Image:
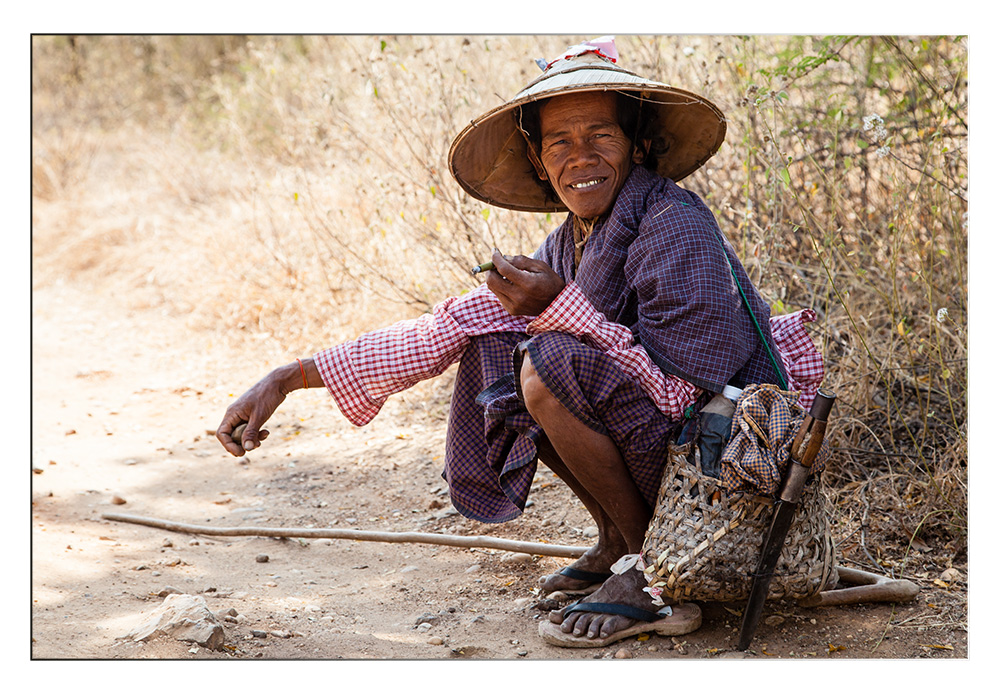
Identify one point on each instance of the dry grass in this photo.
(294, 191)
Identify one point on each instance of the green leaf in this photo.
(382, 47)
(486, 213)
(785, 178)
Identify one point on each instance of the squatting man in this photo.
(586, 355)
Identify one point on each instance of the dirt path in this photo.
(123, 406)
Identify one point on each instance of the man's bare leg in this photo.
(610, 544)
(592, 466)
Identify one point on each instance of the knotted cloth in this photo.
(764, 425)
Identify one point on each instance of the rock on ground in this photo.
(185, 618)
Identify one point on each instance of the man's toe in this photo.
(567, 622)
(558, 616)
(577, 623)
(614, 624)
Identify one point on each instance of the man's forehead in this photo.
(575, 109)
(581, 100)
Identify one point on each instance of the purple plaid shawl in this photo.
(656, 265)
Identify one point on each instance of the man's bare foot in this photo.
(572, 581)
(618, 610)
(594, 567)
(620, 589)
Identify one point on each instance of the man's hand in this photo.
(255, 407)
(525, 286)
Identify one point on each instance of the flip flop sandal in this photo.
(595, 578)
(672, 620)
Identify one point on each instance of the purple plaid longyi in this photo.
(488, 421)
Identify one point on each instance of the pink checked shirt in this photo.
(363, 373)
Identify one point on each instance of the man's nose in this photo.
(582, 153)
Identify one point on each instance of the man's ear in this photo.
(536, 162)
(641, 150)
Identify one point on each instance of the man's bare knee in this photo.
(536, 394)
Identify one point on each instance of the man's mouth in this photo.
(586, 184)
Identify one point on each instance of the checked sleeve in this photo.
(802, 361)
(363, 373)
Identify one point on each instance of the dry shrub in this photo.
(297, 189)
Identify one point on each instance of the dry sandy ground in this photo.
(124, 403)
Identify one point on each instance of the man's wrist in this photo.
(288, 377)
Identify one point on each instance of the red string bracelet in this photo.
(305, 383)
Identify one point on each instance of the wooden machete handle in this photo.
(809, 438)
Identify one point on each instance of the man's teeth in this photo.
(586, 184)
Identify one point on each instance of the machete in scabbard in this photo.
(806, 445)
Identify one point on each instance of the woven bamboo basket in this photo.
(703, 543)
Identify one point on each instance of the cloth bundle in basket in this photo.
(704, 539)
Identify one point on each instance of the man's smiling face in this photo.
(584, 155)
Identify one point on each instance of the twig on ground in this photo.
(360, 535)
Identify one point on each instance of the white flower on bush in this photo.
(875, 122)
(942, 313)
(876, 126)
